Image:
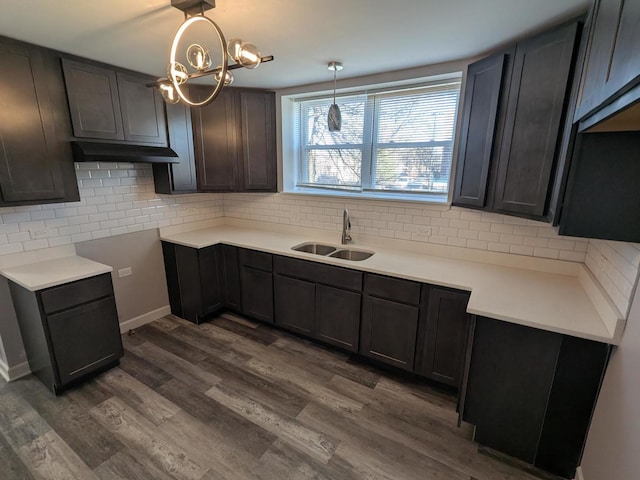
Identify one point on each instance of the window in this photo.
(395, 141)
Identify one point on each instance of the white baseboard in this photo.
(579, 474)
(15, 372)
(144, 318)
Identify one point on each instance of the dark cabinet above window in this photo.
(36, 164)
(513, 112)
(109, 104)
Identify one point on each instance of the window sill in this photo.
(387, 196)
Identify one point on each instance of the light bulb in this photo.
(228, 77)
(198, 57)
(169, 93)
(177, 73)
(233, 48)
(249, 55)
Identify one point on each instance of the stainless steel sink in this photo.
(333, 252)
(316, 248)
(353, 255)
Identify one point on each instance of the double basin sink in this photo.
(330, 251)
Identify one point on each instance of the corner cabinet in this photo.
(512, 122)
(235, 144)
(113, 105)
(36, 163)
(70, 331)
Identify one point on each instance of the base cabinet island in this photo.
(529, 391)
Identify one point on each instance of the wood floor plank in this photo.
(210, 447)
(71, 421)
(286, 375)
(142, 436)
(241, 320)
(124, 466)
(329, 360)
(197, 378)
(11, 467)
(167, 342)
(20, 424)
(215, 348)
(236, 429)
(308, 440)
(143, 370)
(144, 400)
(357, 443)
(48, 457)
(260, 334)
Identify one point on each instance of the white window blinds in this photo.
(395, 141)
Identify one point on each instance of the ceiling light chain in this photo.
(245, 55)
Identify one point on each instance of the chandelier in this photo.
(199, 59)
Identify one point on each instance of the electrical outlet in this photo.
(40, 233)
(124, 272)
(424, 230)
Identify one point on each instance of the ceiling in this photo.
(368, 36)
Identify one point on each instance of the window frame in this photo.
(293, 147)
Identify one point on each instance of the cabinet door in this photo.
(533, 121)
(210, 280)
(605, 23)
(624, 67)
(143, 117)
(94, 102)
(178, 177)
(31, 157)
(85, 338)
(294, 302)
(442, 336)
(215, 134)
(389, 331)
(479, 118)
(258, 135)
(231, 277)
(337, 317)
(257, 293)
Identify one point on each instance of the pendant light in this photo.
(199, 58)
(334, 118)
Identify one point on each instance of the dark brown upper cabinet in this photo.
(512, 123)
(179, 177)
(480, 114)
(258, 137)
(235, 141)
(215, 137)
(36, 164)
(108, 104)
(612, 64)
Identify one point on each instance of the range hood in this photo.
(114, 152)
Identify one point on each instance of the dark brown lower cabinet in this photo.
(193, 280)
(319, 301)
(295, 304)
(531, 393)
(230, 271)
(256, 280)
(390, 314)
(69, 331)
(442, 335)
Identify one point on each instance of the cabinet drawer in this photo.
(403, 291)
(254, 259)
(71, 294)
(319, 273)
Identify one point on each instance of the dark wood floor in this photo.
(233, 399)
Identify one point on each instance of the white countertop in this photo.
(549, 301)
(49, 273)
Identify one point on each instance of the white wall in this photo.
(611, 451)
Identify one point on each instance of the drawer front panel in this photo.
(254, 259)
(319, 273)
(71, 294)
(403, 291)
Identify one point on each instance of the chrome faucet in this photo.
(346, 227)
